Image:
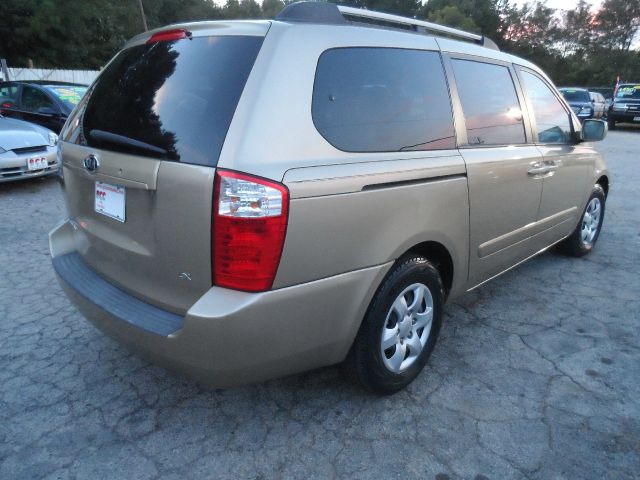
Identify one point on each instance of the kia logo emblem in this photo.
(91, 163)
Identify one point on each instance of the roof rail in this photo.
(330, 13)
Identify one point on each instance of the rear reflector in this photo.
(249, 225)
(168, 35)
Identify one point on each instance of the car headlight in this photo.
(53, 139)
(619, 106)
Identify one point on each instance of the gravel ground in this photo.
(536, 375)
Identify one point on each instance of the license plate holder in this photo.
(37, 163)
(110, 200)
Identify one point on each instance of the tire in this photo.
(585, 236)
(611, 123)
(391, 370)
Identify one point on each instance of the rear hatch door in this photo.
(139, 157)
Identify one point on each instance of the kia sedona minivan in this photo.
(252, 199)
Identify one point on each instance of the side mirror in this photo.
(594, 130)
(46, 111)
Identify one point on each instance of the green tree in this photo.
(482, 16)
(577, 47)
(71, 34)
(617, 23)
(575, 31)
(165, 12)
(451, 16)
(271, 8)
(407, 8)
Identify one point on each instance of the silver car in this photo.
(26, 150)
(251, 199)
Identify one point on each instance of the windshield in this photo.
(626, 92)
(574, 95)
(170, 99)
(69, 94)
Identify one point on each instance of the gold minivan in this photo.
(251, 199)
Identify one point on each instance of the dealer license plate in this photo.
(110, 200)
(37, 163)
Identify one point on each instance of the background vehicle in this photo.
(580, 102)
(237, 227)
(599, 105)
(607, 93)
(626, 105)
(26, 150)
(42, 102)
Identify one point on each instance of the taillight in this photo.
(248, 231)
(169, 35)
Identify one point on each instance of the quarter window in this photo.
(382, 100)
(490, 104)
(551, 118)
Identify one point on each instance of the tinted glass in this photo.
(172, 100)
(573, 95)
(34, 99)
(70, 95)
(491, 109)
(551, 117)
(382, 100)
(626, 92)
(8, 95)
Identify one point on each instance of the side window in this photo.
(8, 96)
(33, 99)
(490, 104)
(382, 100)
(551, 117)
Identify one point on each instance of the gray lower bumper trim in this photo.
(114, 301)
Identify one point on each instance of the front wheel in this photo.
(400, 328)
(611, 123)
(584, 237)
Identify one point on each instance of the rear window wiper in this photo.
(111, 137)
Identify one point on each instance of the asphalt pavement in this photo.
(536, 375)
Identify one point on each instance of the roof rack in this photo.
(330, 13)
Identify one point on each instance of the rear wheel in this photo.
(400, 328)
(584, 237)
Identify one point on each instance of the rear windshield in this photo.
(628, 91)
(576, 95)
(170, 99)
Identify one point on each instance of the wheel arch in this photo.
(603, 181)
(441, 258)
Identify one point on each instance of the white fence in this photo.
(73, 76)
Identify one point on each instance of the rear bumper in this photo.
(227, 337)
